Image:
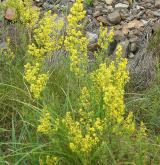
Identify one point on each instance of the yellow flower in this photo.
(51, 160)
(104, 38)
(110, 81)
(47, 41)
(45, 126)
(25, 12)
(75, 42)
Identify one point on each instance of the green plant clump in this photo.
(60, 108)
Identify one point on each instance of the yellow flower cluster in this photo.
(47, 35)
(36, 79)
(85, 131)
(25, 12)
(45, 126)
(104, 38)
(47, 41)
(83, 139)
(142, 131)
(39, 84)
(77, 13)
(110, 82)
(75, 42)
(129, 125)
(50, 160)
(84, 98)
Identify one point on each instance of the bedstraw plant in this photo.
(63, 111)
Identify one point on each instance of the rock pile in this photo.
(133, 21)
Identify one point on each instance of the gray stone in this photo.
(121, 6)
(125, 47)
(133, 38)
(109, 2)
(48, 6)
(124, 14)
(3, 45)
(131, 55)
(109, 8)
(119, 35)
(103, 19)
(93, 47)
(92, 37)
(96, 13)
(133, 47)
(114, 17)
(156, 13)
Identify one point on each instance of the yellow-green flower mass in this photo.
(66, 108)
(75, 42)
(26, 13)
(47, 40)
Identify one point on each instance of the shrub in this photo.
(81, 110)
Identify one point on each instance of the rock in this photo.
(112, 48)
(92, 37)
(89, 12)
(133, 38)
(47, 6)
(10, 14)
(118, 35)
(93, 47)
(3, 45)
(157, 3)
(98, 8)
(133, 47)
(126, 2)
(130, 1)
(39, 3)
(132, 20)
(134, 24)
(114, 17)
(109, 2)
(121, 6)
(145, 22)
(156, 13)
(109, 8)
(96, 13)
(125, 47)
(125, 31)
(103, 19)
(131, 55)
(124, 13)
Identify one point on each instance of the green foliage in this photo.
(154, 43)
(89, 2)
(77, 120)
(147, 105)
